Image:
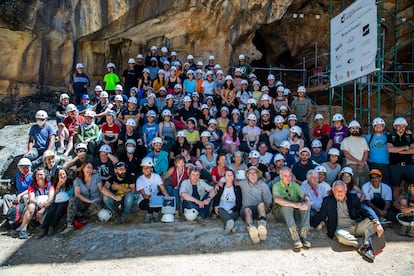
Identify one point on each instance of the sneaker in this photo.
(366, 252)
(320, 226)
(229, 226)
(155, 217)
(253, 233)
(262, 229)
(384, 221)
(147, 218)
(306, 243)
(348, 242)
(23, 234)
(66, 232)
(297, 244)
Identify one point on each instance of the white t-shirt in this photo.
(208, 87)
(228, 199)
(150, 185)
(266, 158)
(383, 189)
(355, 146)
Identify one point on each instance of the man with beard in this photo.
(400, 145)
(355, 149)
(279, 134)
(121, 197)
(158, 156)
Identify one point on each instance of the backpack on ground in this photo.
(14, 214)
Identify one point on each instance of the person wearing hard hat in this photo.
(400, 145)
(61, 108)
(159, 156)
(139, 65)
(24, 179)
(111, 79)
(69, 129)
(79, 82)
(41, 138)
(302, 107)
(152, 54)
(130, 76)
(245, 68)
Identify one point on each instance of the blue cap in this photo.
(85, 97)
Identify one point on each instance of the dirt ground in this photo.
(197, 248)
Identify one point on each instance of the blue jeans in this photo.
(203, 212)
(175, 192)
(128, 201)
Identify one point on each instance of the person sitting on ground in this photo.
(346, 176)
(378, 196)
(405, 204)
(121, 193)
(88, 189)
(322, 177)
(289, 199)
(102, 107)
(228, 201)
(315, 191)
(88, 132)
(333, 169)
(346, 219)
(63, 191)
(73, 166)
(132, 155)
(41, 138)
(237, 162)
(128, 131)
(254, 156)
(24, 179)
(84, 104)
(196, 194)
(69, 129)
(105, 162)
(61, 108)
(217, 172)
(256, 202)
(41, 195)
(149, 184)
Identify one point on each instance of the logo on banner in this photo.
(365, 30)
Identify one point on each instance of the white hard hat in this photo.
(166, 62)
(285, 144)
(164, 50)
(203, 106)
(279, 119)
(63, 96)
(251, 101)
(251, 117)
(105, 148)
(280, 88)
(228, 77)
(131, 141)
(151, 113)
(256, 82)
(235, 110)
(166, 112)
(252, 76)
(354, 123)
(283, 107)
(140, 56)
(133, 100)
(296, 129)
(195, 94)
(161, 71)
(80, 65)
(301, 89)
(240, 175)
(190, 214)
(224, 108)
(271, 77)
(286, 91)
(41, 114)
(265, 112)
(305, 149)
(220, 72)
(212, 121)
(190, 57)
(71, 107)
(320, 169)
(405, 220)
(208, 73)
(110, 65)
(211, 57)
(151, 95)
(47, 154)
(157, 140)
(187, 99)
(118, 98)
(89, 113)
(82, 146)
(131, 60)
(199, 63)
(154, 47)
(334, 151)
(119, 87)
(147, 162)
(318, 116)
(337, 117)
(316, 144)
(167, 218)
(244, 82)
(104, 215)
(265, 88)
(278, 157)
(98, 88)
(242, 57)
(400, 121)
(266, 97)
(103, 94)
(24, 162)
(254, 154)
(173, 53)
(178, 85)
(169, 96)
(217, 66)
(145, 70)
(347, 170)
(131, 122)
(237, 70)
(378, 121)
(205, 134)
(292, 117)
(181, 133)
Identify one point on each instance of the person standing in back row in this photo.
(79, 83)
(302, 107)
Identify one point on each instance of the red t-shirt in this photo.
(214, 171)
(318, 132)
(109, 131)
(72, 125)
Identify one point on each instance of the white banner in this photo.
(353, 42)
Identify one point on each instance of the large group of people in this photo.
(221, 145)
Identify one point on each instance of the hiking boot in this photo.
(51, 232)
(23, 234)
(155, 217)
(346, 238)
(69, 229)
(147, 218)
(384, 222)
(229, 226)
(253, 233)
(297, 243)
(262, 229)
(410, 231)
(320, 226)
(303, 235)
(403, 230)
(43, 233)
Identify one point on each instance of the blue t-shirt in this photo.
(22, 183)
(190, 86)
(41, 135)
(378, 152)
(150, 131)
